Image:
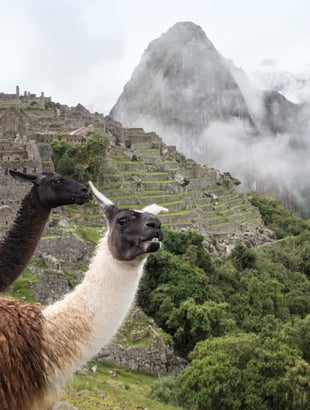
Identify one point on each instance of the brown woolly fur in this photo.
(35, 351)
(22, 369)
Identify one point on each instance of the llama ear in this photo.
(155, 209)
(23, 177)
(103, 201)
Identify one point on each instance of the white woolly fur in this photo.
(103, 300)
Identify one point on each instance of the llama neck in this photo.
(20, 242)
(86, 319)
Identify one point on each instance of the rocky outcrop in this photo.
(64, 246)
(141, 345)
(281, 115)
(155, 358)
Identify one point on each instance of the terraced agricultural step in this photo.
(229, 204)
(208, 201)
(223, 228)
(229, 196)
(133, 166)
(151, 176)
(149, 152)
(236, 209)
(136, 176)
(183, 217)
(168, 166)
(206, 208)
(178, 225)
(168, 185)
(175, 206)
(161, 196)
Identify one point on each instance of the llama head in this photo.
(131, 233)
(53, 189)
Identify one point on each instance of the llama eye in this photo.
(58, 181)
(122, 220)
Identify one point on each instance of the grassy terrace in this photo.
(111, 388)
(160, 195)
(237, 208)
(150, 180)
(220, 225)
(231, 201)
(175, 202)
(122, 162)
(118, 184)
(148, 195)
(145, 175)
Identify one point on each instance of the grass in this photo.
(90, 233)
(183, 212)
(111, 388)
(138, 324)
(21, 288)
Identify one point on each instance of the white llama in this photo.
(43, 347)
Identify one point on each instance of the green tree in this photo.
(277, 218)
(245, 371)
(243, 258)
(190, 245)
(84, 160)
(190, 323)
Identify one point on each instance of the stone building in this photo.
(25, 98)
(26, 133)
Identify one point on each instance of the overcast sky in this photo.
(85, 50)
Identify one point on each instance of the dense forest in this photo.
(242, 321)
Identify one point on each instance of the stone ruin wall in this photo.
(25, 98)
(21, 157)
(25, 139)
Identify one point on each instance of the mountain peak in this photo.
(179, 37)
(186, 30)
(181, 84)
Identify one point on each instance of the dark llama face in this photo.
(133, 233)
(54, 190)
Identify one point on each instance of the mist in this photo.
(197, 100)
(266, 163)
(271, 164)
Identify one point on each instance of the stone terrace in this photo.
(144, 170)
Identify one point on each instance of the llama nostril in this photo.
(152, 222)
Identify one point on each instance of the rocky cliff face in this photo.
(194, 98)
(180, 86)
